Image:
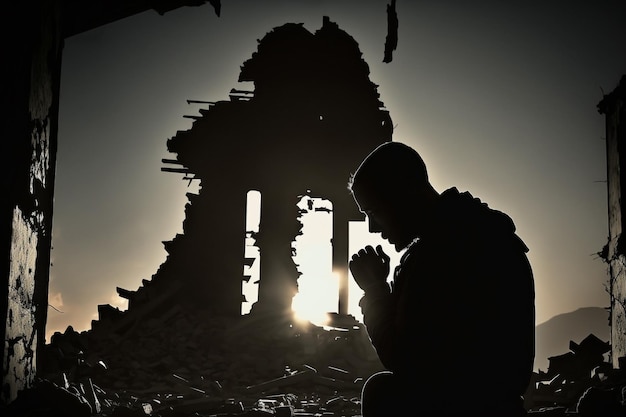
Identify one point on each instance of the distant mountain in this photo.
(554, 335)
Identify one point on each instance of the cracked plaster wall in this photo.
(21, 328)
(30, 86)
(612, 106)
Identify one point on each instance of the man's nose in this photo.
(373, 225)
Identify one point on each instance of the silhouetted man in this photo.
(455, 329)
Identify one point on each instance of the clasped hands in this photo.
(370, 268)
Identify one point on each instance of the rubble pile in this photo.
(181, 364)
(580, 382)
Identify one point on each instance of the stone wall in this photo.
(30, 84)
(614, 109)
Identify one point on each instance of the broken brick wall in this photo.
(30, 85)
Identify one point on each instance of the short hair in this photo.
(391, 167)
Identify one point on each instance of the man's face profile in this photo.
(391, 187)
(384, 216)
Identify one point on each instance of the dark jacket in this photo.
(458, 322)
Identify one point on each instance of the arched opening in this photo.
(252, 261)
(317, 286)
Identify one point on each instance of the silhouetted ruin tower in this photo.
(312, 117)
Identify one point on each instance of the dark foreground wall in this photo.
(31, 59)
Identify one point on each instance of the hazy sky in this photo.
(498, 97)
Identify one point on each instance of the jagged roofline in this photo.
(332, 28)
(295, 38)
(288, 37)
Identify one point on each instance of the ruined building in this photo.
(312, 117)
(613, 106)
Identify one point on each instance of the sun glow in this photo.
(316, 298)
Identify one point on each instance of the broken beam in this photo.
(177, 170)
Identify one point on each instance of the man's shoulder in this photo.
(452, 196)
(463, 214)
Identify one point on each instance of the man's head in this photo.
(391, 187)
